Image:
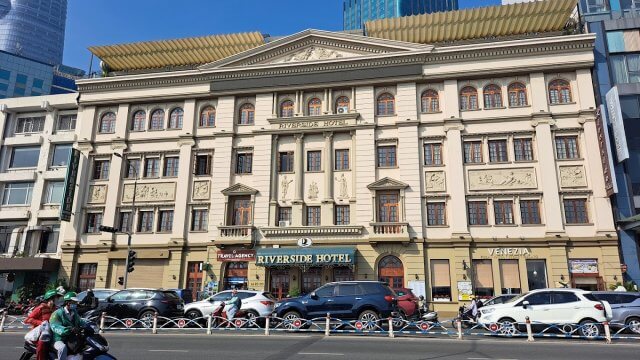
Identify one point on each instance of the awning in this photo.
(630, 223)
(306, 257)
(29, 264)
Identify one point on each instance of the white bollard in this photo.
(327, 325)
(209, 321)
(459, 326)
(266, 325)
(529, 332)
(4, 318)
(155, 323)
(607, 332)
(102, 316)
(391, 334)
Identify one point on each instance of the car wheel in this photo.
(369, 319)
(589, 328)
(399, 321)
(252, 319)
(146, 318)
(633, 324)
(507, 327)
(288, 318)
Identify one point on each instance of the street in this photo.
(279, 347)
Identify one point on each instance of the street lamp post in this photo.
(133, 211)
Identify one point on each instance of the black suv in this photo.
(142, 304)
(367, 301)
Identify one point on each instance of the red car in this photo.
(407, 302)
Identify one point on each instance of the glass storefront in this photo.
(537, 274)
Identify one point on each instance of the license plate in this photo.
(180, 307)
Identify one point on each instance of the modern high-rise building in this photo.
(33, 28)
(357, 12)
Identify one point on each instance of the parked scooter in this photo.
(424, 313)
(220, 316)
(87, 342)
(466, 318)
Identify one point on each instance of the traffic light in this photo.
(132, 261)
(11, 277)
(109, 229)
(121, 280)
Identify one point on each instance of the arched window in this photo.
(208, 117)
(430, 101)
(314, 107)
(175, 118)
(157, 120)
(468, 98)
(247, 114)
(559, 92)
(286, 108)
(492, 96)
(517, 94)
(138, 121)
(342, 105)
(107, 123)
(391, 271)
(386, 104)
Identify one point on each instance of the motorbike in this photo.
(86, 342)
(424, 313)
(220, 316)
(465, 317)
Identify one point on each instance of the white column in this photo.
(298, 201)
(549, 179)
(184, 185)
(327, 206)
(455, 176)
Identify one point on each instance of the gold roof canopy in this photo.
(476, 23)
(175, 52)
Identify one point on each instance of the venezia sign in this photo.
(510, 252)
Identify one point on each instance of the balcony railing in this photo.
(235, 234)
(295, 231)
(390, 231)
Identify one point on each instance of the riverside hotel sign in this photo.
(305, 257)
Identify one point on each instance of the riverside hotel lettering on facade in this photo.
(313, 259)
(312, 124)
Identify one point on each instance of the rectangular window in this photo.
(133, 170)
(313, 160)
(388, 207)
(285, 161)
(472, 152)
(17, 193)
(387, 156)
(38, 83)
(30, 125)
(151, 167)
(523, 149)
(483, 278)
(61, 155)
(433, 154)
(626, 68)
(530, 211)
(124, 222)
(166, 220)
(244, 163)
(313, 215)
(171, 166)
(25, 157)
(94, 220)
(440, 280)
(66, 122)
(202, 164)
(342, 214)
(342, 159)
(199, 219)
(145, 221)
(567, 147)
(536, 274)
(5, 74)
(436, 214)
(100, 169)
(284, 216)
(575, 211)
(503, 211)
(477, 212)
(87, 276)
(55, 190)
(510, 277)
(241, 211)
(49, 240)
(498, 151)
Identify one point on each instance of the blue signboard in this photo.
(327, 256)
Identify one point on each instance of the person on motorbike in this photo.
(234, 303)
(65, 322)
(37, 317)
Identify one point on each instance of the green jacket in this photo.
(62, 324)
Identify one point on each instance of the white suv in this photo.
(255, 303)
(550, 306)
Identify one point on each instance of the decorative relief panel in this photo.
(435, 181)
(572, 176)
(313, 191)
(312, 53)
(97, 194)
(150, 192)
(342, 187)
(201, 190)
(286, 190)
(502, 179)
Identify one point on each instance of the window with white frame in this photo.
(54, 192)
(25, 125)
(24, 157)
(66, 122)
(61, 155)
(18, 193)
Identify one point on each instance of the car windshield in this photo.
(515, 298)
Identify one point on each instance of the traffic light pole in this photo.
(133, 211)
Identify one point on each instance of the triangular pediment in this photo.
(239, 189)
(387, 183)
(316, 46)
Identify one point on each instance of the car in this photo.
(366, 301)
(255, 303)
(407, 302)
(185, 294)
(499, 299)
(142, 304)
(549, 306)
(625, 307)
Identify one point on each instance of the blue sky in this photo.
(104, 22)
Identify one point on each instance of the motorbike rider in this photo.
(235, 304)
(64, 322)
(38, 316)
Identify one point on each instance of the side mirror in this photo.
(525, 304)
(313, 295)
(109, 299)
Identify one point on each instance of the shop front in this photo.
(585, 274)
(235, 267)
(295, 271)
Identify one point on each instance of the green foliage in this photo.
(294, 292)
(629, 286)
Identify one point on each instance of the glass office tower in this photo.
(33, 29)
(357, 12)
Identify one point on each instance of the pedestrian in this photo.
(235, 304)
(40, 317)
(474, 307)
(65, 322)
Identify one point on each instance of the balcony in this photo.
(235, 235)
(321, 231)
(18, 175)
(389, 232)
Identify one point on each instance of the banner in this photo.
(66, 207)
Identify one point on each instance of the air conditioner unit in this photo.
(284, 223)
(343, 110)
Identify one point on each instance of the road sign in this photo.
(424, 326)
(128, 323)
(358, 325)
(181, 323)
(238, 322)
(297, 323)
(493, 327)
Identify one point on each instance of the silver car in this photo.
(625, 306)
(255, 303)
